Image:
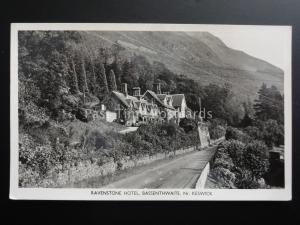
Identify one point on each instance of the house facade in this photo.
(152, 106)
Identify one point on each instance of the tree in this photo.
(221, 101)
(116, 49)
(269, 104)
(74, 83)
(84, 84)
(246, 121)
(254, 132)
(116, 66)
(128, 75)
(88, 52)
(273, 133)
(248, 114)
(112, 81)
(102, 79)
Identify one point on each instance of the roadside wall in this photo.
(203, 135)
(203, 176)
(85, 170)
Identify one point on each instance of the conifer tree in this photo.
(75, 87)
(112, 80)
(269, 104)
(83, 71)
(102, 79)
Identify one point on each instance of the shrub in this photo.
(273, 133)
(169, 129)
(225, 177)
(188, 124)
(141, 146)
(216, 128)
(253, 132)
(96, 140)
(223, 160)
(236, 134)
(65, 156)
(38, 158)
(270, 131)
(248, 162)
(256, 158)
(162, 137)
(234, 149)
(245, 180)
(217, 132)
(27, 176)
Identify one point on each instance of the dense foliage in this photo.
(39, 159)
(239, 165)
(217, 128)
(270, 104)
(237, 134)
(268, 131)
(62, 70)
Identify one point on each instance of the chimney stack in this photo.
(156, 88)
(136, 92)
(124, 89)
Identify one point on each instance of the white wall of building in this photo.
(110, 116)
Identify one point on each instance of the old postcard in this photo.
(150, 112)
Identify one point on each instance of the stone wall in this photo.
(203, 177)
(85, 170)
(203, 135)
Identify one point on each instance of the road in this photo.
(182, 172)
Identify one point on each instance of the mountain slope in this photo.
(199, 55)
(235, 58)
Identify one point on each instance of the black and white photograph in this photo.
(150, 112)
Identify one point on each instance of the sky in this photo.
(264, 42)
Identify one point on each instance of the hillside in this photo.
(72, 69)
(199, 55)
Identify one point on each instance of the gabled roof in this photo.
(155, 96)
(132, 98)
(121, 97)
(128, 100)
(177, 99)
(161, 96)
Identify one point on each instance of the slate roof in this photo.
(161, 96)
(121, 97)
(155, 96)
(177, 99)
(128, 100)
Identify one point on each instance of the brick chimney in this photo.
(156, 88)
(136, 92)
(124, 89)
